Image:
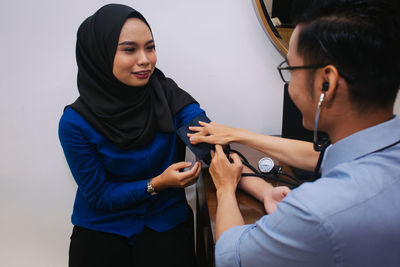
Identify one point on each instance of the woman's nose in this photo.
(143, 59)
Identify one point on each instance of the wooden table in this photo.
(206, 203)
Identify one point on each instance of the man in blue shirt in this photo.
(343, 66)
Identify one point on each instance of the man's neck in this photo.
(353, 122)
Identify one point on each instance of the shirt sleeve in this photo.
(90, 176)
(291, 236)
(189, 112)
(227, 246)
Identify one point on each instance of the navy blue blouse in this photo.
(111, 195)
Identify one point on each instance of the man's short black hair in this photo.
(362, 39)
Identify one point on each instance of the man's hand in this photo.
(212, 133)
(225, 174)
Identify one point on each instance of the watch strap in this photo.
(150, 188)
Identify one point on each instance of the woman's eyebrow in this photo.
(134, 43)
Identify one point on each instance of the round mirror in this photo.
(276, 20)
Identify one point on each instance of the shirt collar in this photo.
(361, 143)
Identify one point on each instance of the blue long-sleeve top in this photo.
(111, 195)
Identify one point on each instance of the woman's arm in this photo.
(299, 154)
(263, 191)
(91, 177)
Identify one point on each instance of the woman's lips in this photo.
(142, 74)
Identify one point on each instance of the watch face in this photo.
(265, 164)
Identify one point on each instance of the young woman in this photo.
(120, 143)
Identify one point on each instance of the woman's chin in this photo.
(138, 83)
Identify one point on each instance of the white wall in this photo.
(216, 50)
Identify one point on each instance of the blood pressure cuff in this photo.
(201, 150)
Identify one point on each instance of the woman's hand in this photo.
(212, 133)
(225, 174)
(172, 177)
(274, 196)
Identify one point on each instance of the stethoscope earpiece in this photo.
(325, 86)
(317, 145)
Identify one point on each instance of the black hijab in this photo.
(127, 116)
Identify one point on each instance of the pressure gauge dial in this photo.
(265, 164)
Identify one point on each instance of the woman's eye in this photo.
(129, 50)
(151, 47)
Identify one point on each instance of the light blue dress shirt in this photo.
(349, 217)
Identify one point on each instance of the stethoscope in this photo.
(266, 166)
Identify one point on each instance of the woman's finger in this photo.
(198, 168)
(192, 172)
(191, 179)
(181, 165)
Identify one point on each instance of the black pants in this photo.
(171, 248)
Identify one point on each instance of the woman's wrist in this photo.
(266, 195)
(157, 183)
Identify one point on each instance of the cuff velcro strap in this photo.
(201, 150)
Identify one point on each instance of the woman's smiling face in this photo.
(135, 58)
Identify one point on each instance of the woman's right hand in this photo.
(172, 177)
(212, 133)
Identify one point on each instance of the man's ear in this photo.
(329, 82)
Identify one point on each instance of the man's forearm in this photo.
(295, 153)
(228, 213)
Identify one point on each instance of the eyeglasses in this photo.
(284, 69)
